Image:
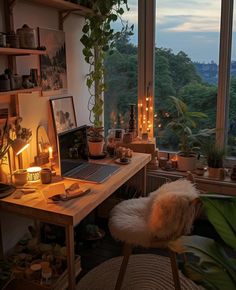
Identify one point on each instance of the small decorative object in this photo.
(27, 37)
(34, 76)
(123, 152)
(12, 40)
(42, 144)
(132, 127)
(63, 114)
(163, 162)
(20, 177)
(26, 82)
(233, 174)
(33, 174)
(53, 77)
(145, 136)
(3, 40)
(114, 136)
(174, 162)
(128, 138)
(5, 84)
(46, 175)
(200, 170)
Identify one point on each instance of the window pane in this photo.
(121, 75)
(187, 52)
(232, 105)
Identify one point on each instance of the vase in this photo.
(186, 163)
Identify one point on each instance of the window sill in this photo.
(226, 186)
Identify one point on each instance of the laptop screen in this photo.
(72, 148)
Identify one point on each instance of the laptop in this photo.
(73, 158)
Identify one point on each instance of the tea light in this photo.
(33, 174)
(174, 162)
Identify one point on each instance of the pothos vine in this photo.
(99, 38)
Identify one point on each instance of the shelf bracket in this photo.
(62, 17)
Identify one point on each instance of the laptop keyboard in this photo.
(88, 170)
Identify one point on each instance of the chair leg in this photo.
(175, 272)
(127, 250)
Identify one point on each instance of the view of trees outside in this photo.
(187, 56)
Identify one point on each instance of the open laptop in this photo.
(73, 158)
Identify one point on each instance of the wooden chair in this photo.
(141, 222)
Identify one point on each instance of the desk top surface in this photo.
(73, 211)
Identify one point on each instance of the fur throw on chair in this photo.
(172, 210)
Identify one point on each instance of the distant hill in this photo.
(209, 71)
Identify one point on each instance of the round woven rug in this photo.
(144, 272)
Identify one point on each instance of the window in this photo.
(187, 62)
(121, 74)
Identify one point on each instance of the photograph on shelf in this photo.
(63, 113)
(53, 63)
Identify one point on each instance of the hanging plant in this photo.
(99, 38)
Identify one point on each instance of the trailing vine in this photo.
(98, 39)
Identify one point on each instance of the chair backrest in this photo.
(173, 208)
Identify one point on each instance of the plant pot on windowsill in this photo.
(186, 163)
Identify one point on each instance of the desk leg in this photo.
(70, 256)
(145, 181)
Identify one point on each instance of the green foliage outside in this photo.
(175, 75)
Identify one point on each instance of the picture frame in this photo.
(63, 113)
(53, 70)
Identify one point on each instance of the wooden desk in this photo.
(69, 214)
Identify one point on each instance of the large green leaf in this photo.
(222, 215)
(210, 275)
(207, 250)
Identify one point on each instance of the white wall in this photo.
(33, 107)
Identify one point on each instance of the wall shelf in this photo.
(21, 91)
(20, 51)
(64, 6)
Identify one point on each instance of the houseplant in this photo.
(99, 38)
(214, 156)
(183, 125)
(95, 141)
(215, 268)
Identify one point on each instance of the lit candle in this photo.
(50, 151)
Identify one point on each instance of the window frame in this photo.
(147, 20)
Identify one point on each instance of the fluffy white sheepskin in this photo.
(163, 216)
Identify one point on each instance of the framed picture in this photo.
(53, 63)
(63, 113)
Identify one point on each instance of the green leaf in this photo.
(85, 28)
(222, 214)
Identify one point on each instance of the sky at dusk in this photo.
(189, 25)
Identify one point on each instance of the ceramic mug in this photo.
(20, 177)
(46, 175)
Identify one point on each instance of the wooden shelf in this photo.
(20, 51)
(21, 91)
(65, 6)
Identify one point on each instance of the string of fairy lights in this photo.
(146, 113)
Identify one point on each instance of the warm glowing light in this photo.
(147, 99)
(50, 151)
(146, 109)
(33, 174)
(159, 126)
(144, 122)
(155, 116)
(22, 149)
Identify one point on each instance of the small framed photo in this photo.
(63, 113)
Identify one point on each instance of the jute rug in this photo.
(144, 272)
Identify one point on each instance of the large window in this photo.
(121, 74)
(187, 58)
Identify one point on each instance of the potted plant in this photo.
(215, 267)
(183, 124)
(99, 38)
(95, 141)
(214, 156)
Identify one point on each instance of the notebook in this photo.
(73, 158)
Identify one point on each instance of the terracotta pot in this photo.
(186, 163)
(214, 172)
(96, 148)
